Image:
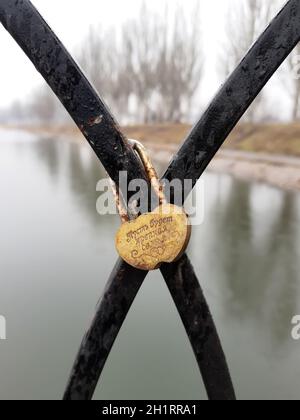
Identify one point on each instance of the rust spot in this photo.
(95, 120)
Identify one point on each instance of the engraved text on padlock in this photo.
(154, 238)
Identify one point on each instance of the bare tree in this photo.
(180, 66)
(141, 38)
(165, 63)
(152, 70)
(102, 59)
(245, 22)
(147, 72)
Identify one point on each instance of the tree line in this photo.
(150, 70)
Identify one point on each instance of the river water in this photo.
(56, 254)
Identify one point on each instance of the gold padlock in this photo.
(152, 239)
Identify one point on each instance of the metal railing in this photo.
(100, 129)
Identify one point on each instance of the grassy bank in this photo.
(282, 139)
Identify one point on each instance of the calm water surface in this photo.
(56, 254)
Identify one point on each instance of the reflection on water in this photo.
(259, 272)
(57, 253)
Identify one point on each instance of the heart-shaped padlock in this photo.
(152, 239)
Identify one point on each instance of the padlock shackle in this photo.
(150, 170)
(152, 176)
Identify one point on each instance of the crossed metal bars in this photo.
(100, 129)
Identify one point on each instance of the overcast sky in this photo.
(70, 19)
